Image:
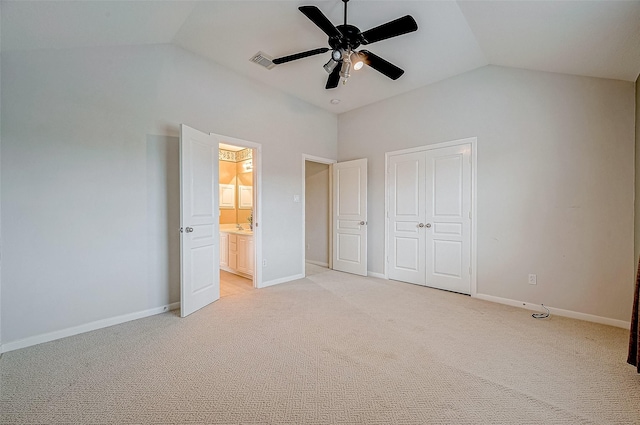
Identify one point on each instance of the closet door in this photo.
(429, 218)
(406, 250)
(448, 218)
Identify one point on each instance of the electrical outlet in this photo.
(264, 263)
(533, 279)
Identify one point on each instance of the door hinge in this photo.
(469, 214)
(181, 230)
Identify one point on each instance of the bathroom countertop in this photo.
(231, 228)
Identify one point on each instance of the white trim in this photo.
(282, 280)
(318, 263)
(473, 141)
(376, 275)
(557, 311)
(87, 327)
(319, 160)
(474, 215)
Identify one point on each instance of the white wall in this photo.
(555, 179)
(317, 215)
(90, 176)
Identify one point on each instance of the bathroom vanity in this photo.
(237, 250)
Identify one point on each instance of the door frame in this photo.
(330, 163)
(473, 141)
(257, 200)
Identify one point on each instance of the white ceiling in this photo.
(592, 38)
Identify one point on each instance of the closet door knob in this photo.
(427, 225)
(421, 225)
(189, 229)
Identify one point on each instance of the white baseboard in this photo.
(282, 280)
(98, 324)
(557, 311)
(317, 263)
(374, 274)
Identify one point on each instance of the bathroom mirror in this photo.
(236, 184)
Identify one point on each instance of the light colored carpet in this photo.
(330, 349)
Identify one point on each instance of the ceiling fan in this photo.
(345, 39)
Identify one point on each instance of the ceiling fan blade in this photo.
(334, 77)
(318, 18)
(393, 28)
(301, 55)
(381, 65)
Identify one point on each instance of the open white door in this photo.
(350, 216)
(199, 228)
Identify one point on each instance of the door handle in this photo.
(362, 223)
(424, 225)
(421, 225)
(189, 229)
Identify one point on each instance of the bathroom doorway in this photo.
(238, 216)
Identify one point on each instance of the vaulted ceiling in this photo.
(590, 38)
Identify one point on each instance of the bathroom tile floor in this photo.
(231, 284)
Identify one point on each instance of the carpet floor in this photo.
(332, 348)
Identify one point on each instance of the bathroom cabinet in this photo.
(236, 253)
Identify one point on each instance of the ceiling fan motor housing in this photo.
(350, 39)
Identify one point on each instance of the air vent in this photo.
(263, 59)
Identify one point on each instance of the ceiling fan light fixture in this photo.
(345, 72)
(357, 61)
(330, 66)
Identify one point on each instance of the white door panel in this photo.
(199, 240)
(406, 249)
(350, 216)
(449, 237)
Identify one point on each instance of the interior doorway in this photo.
(334, 215)
(237, 198)
(317, 214)
(203, 247)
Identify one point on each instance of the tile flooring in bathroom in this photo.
(232, 284)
